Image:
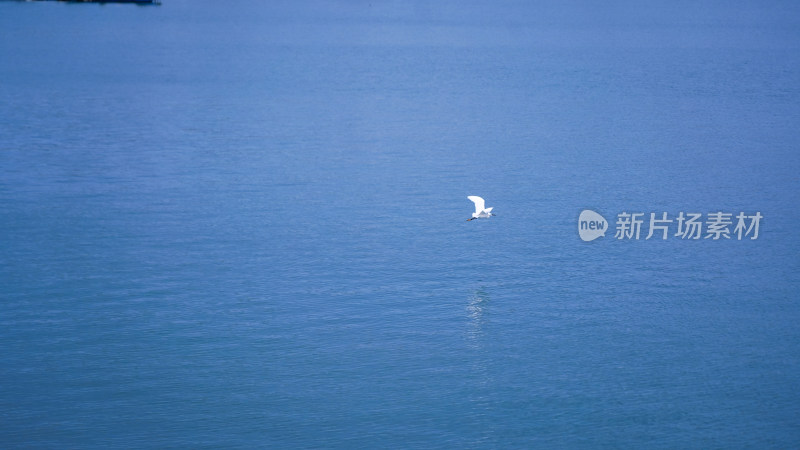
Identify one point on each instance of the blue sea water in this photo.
(242, 224)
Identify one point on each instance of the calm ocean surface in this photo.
(242, 224)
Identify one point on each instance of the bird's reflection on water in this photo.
(476, 311)
(479, 353)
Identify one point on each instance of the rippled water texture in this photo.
(243, 224)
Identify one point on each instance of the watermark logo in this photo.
(686, 225)
(591, 225)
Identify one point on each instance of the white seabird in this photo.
(480, 211)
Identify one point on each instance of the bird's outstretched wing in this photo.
(478, 203)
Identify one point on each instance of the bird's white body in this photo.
(481, 212)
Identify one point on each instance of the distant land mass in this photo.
(153, 2)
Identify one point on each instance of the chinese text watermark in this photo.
(686, 225)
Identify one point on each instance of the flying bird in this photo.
(480, 211)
